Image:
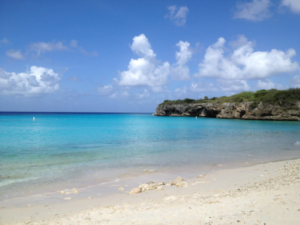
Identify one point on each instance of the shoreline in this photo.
(135, 177)
(215, 183)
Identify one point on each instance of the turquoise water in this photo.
(85, 149)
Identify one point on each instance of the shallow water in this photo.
(67, 150)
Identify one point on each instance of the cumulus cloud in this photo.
(146, 70)
(244, 63)
(105, 90)
(42, 47)
(37, 80)
(177, 14)
(240, 41)
(256, 10)
(181, 71)
(15, 54)
(294, 5)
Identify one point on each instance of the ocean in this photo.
(64, 150)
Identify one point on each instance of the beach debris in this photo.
(68, 192)
(152, 185)
(159, 188)
(168, 184)
(177, 180)
(200, 176)
(90, 197)
(68, 198)
(144, 187)
(121, 189)
(182, 184)
(135, 191)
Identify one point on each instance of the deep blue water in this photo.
(65, 148)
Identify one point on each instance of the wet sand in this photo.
(260, 194)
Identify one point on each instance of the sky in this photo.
(130, 55)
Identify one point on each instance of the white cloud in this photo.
(294, 5)
(105, 90)
(42, 47)
(144, 94)
(265, 84)
(240, 41)
(244, 63)
(177, 15)
(144, 71)
(74, 44)
(37, 80)
(256, 10)
(181, 71)
(142, 47)
(14, 54)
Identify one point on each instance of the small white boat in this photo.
(196, 117)
(33, 118)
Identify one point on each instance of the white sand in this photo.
(262, 194)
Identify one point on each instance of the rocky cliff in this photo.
(244, 110)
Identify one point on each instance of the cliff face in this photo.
(244, 110)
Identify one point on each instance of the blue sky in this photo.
(128, 56)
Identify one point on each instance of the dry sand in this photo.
(262, 194)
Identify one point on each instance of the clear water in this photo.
(59, 150)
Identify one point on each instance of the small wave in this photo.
(297, 143)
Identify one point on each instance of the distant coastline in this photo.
(261, 105)
(43, 113)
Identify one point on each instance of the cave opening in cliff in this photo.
(242, 113)
(211, 114)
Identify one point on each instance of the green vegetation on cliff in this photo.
(272, 96)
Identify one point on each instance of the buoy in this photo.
(33, 118)
(196, 117)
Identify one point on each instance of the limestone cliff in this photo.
(244, 110)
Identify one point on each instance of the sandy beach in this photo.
(260, 194)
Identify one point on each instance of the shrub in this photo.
(272, 96)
